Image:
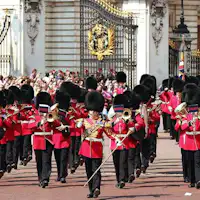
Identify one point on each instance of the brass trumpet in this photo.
(53, 115)
(127, 114)
(181, 109)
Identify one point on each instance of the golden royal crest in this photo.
(101, 41)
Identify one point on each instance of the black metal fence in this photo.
(5, 47)
(124, 27)
(195, 63)
(173, 61)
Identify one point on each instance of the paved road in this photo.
(162, 181)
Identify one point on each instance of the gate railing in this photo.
(123, 26)
(5, 47)
(173, 60)
(195, 63)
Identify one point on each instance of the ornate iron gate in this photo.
(5, 47)
(107, 39)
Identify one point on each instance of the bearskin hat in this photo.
(27, 93)
(151, 84)
(170, 81)
(9, 97)
(91, 83)
(165, 83)
(94, 101)
(121, 77)
(2, 99)
(63, 100)
(193, 79)
(16, 92)
(189, 93)
(43, 98)
(122, 99)
(143, 92)
(70, 88)
(135, 101)
(178, 85)
(82, 95)
(143, 77)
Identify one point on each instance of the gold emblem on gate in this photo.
(101, 41)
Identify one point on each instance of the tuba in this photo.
(127, 114)
(53, 114)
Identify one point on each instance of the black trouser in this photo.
(197, 165)
(165, 117)
(27, 147)
(145, 152)
(43, 160)
(74, 151)
(18, 149)
(191, 166)
(120, 159)
(131, 161)
(153, 144)
(137, 157)
(2, 157)
(91, 165)
(184, 154)
(9, 153)
(61, 157)
(172, 130)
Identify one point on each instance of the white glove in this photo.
(62, 127)
(170, 108)
(79, 124)
(118, 142)
(132, 129)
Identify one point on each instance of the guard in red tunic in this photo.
(174, 102)
(74, 93)
(120, 126)
(2, 136)
(42, 137)
(165, 97)
(61, 136)
(9, 134)
(137, 123)
(18, 143)
(92, 145)
(26, 115)
(145, 95)
(189, 135)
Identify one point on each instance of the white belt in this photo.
(94, 139)
(24, 122)
(193, 133)
(121, 135)
(43, 133)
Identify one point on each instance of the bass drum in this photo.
(139, 135)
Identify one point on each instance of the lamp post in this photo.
(182, 38)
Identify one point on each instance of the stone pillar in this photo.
(139, 8)
(159, 49)
(34, 36)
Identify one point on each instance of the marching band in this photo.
(71, 121)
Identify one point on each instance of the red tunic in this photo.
(59, 141)
(39, 139)
(138, 124)
(17, 126)
(187, 141)
(165, 98)
(92, 146)
(3, 140)
(174, 102)
(27, 116)
(153, 119)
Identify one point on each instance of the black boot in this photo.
(191, 185)
(138, 172)
(9, 168)
(198, 185)
(131, 178)
(186, 180)
(89, 196)
(96, 193)
(1, 174)
(63, 180)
